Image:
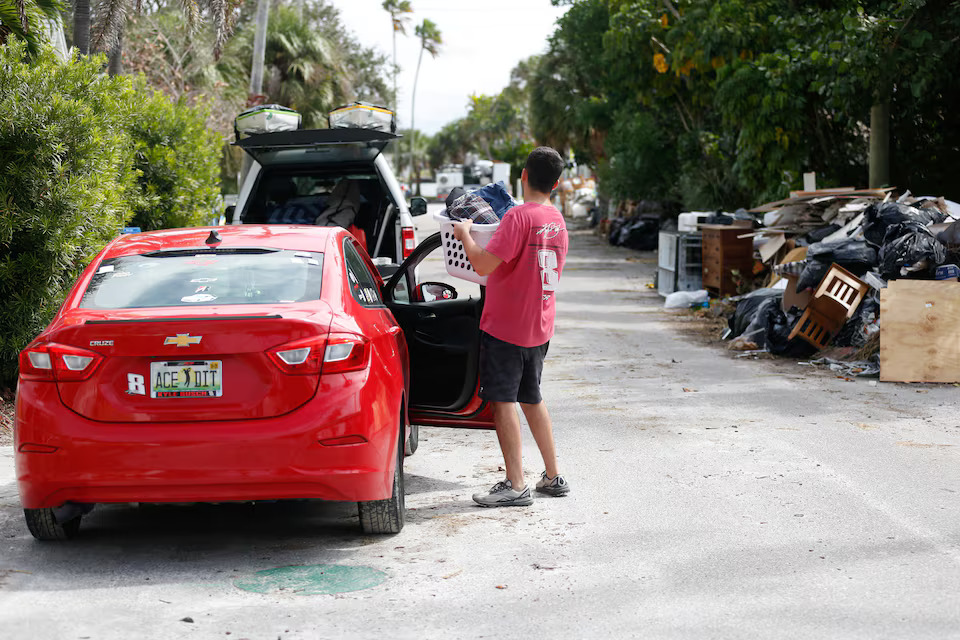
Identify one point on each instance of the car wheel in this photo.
(386, 516)
(413, 442)
(43, 525)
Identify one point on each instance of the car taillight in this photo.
(336, 353)
(61, 362)
(408, 241)
(344, 353)
(300, 357)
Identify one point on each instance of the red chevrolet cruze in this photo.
(240, 363)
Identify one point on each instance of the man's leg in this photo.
(542, 429)
(511, 443)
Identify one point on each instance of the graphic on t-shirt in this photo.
(550, 230)
(549, 278)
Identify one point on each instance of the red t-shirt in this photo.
(520, 302)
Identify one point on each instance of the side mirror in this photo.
(418, 206)
(228, 214)
(430, 291)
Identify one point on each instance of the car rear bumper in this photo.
(263, 459)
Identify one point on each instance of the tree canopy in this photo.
(722, 103)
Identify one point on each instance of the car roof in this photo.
(274, 236)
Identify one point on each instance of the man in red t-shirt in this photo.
(524, 260)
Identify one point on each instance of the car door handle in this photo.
(428, 315)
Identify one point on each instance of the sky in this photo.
(482, 41)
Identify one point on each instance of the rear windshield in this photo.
(184, 279)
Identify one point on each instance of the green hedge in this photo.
(81, 154)
(177, 158)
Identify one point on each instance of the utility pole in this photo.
(259, 50)
(255, 93)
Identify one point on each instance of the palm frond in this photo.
(112, 15)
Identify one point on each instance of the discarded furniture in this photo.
(723, 253)
(918, 331)
(834, 301)
(678, 262)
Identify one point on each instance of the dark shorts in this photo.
(509, 373)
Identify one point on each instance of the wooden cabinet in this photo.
(724, 253)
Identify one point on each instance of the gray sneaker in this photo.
(555, 486)
(504, 495)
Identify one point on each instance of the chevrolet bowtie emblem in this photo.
(182, 340)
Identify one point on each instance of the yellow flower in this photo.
(660, 63)
(663, 21)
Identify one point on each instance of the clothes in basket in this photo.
(470, 206)
(497, 197)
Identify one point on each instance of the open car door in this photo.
(442, 331)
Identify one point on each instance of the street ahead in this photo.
(712, 498)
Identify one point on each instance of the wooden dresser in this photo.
(723, 253)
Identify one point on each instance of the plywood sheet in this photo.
(920, 331)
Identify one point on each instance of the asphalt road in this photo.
(767, 500)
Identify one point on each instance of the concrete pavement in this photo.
(767, 501)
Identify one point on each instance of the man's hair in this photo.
(544, 166)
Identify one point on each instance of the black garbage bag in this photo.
(864, 322)
(770, 330)
(641, 234)
(747, 309)
(817, 235)
(614, 236)
(855, 256)
(879, 217)
(910, 248)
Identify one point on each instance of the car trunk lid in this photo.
(317, 146)
(175, 368)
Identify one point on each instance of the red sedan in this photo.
(240, 363)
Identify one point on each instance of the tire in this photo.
(413, 442)
(43, 525)
(386, 516)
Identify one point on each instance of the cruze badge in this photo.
(182, 340)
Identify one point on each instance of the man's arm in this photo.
(484, 262)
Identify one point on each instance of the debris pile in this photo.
(832, 265)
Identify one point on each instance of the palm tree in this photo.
(430, 41)
(396, 9)
(81, 26)
(21, 19)
(107, 33)
(303, 69)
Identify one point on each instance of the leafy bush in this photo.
(65, 169)
(81, 154)
(177, 159)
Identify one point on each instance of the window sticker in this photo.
(199, 297)
(122, 274)
(203, 280)
(107, 268)
(202, 288)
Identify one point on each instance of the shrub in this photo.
(177, 158)
(81, 154)
(65, 169)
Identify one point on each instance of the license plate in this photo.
(196, 379)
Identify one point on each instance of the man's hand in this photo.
(483, 261)
(461, 229)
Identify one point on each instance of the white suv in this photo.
(301, 177)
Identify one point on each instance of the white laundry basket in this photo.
(457, 263)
